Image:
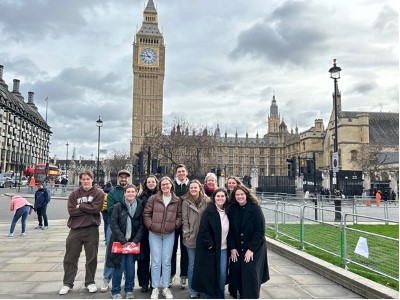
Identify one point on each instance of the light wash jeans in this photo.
(222, 278)
(108, 271)
(161, 246)
(22, 213)
(127, 267)
(191, 254)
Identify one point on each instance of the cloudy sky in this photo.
(225, 60)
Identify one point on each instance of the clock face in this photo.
(148, 56)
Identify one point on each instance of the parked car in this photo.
(6, 182)
(22, 182)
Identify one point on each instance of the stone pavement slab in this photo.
(31, 268)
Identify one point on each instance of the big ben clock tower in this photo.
(148, 79)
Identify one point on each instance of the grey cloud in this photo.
(288, 35)
(364, 87)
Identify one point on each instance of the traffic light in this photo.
(141, 162)
(154, 165)
(310, 166)
(218, 172)
(212, 170)
(291, 167)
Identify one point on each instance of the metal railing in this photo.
(296, 222)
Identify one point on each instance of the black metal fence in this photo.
(276, 184)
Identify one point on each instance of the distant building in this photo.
(25, 135)
(364, 138)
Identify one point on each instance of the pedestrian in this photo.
(181, 183)
(231, 183)
(84, 206)
(32, 183)
(378, 197)
(307, 195)
(42, 199)
(162, 216)
(210, 184)
(193, 205)
(126, 224)
(393, 196)
(211, 261)
(115, 196)
(248, 267)
(150, 188)
(21, 209)
(104, 211)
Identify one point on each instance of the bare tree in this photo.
(372, 159)
(183, 144)
(118, 160)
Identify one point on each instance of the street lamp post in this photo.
(66, 162)
(99, 123)
(335, 75)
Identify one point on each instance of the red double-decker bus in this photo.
(53, 172)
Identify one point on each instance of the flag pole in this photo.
(47, 102)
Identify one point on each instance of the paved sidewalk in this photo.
(31, 267)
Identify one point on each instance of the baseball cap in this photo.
(124, 172)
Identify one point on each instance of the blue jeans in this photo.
(108, 271)
(20, 213)
(161, 246)
(127, 266)
(191, 254)
(222, 278)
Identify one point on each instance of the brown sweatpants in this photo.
(89, 238)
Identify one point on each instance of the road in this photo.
(56, 210)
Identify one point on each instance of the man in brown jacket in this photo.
(84, 206)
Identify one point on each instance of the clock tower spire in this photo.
(148, 79)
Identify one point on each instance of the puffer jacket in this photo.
(118, 228)
(160, 219)
(115, 196)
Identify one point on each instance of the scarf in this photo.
(131, 212)
(208, 190)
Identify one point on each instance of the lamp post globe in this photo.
(99, 123)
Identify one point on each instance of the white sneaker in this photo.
(104, 287)
(10, 235)
(22, 234)
(64, 290)
(154, 294)
(130, 295)
(92, 288)
(117, 296)
(167, 293)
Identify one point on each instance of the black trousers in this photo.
(143, 262)
(184, 263)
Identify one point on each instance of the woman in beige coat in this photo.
(193, 205)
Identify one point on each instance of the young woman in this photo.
(126, 225)
(210, 184)
(248, 267)
(162, 216)
(210, 264)
(21, 209)
(231, 183)
(193, 205)
(143, 264)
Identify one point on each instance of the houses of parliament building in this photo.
(368, 142)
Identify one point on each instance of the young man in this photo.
(84, 206)
(41, 200)
(115, 196)
(181, 185)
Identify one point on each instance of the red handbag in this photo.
(118, 248)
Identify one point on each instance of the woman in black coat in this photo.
(248, 267)
(143, 262)
(126, 225)
(211, 261)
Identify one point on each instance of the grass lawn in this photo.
(324, 242)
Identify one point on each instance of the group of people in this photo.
(220, 232)
(21, 208)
